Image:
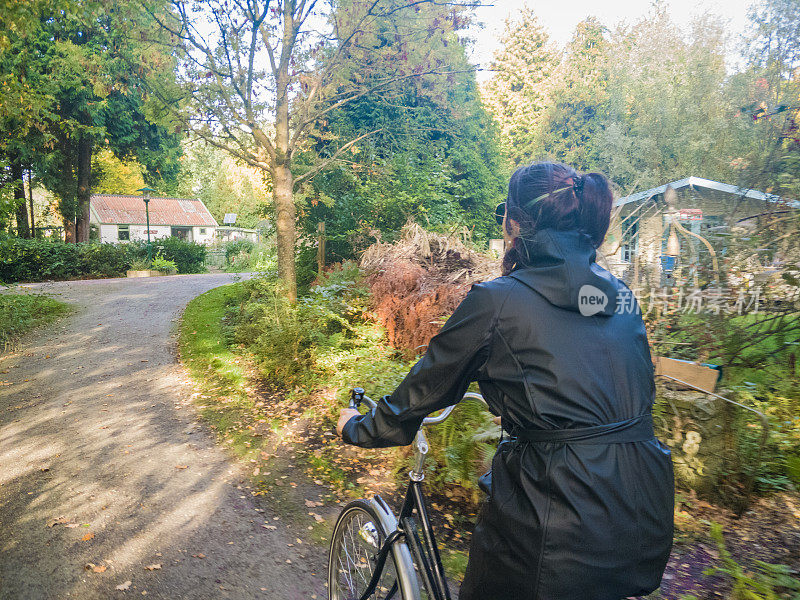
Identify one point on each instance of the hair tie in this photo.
(578, 185)
(545, 195)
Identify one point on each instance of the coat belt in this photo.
(637, 429)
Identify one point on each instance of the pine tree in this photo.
(579, 99)
(519, 91)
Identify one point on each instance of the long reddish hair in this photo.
(585, 205)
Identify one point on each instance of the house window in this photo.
(123, 233)
(630, 238)
(202, 231)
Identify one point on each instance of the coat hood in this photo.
(563, 269)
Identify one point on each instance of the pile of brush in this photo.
(418, 281)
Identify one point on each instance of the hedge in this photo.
(40, 260)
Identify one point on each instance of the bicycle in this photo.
(367, 532)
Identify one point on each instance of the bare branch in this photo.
(316, 169)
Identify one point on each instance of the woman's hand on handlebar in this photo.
(344, 416)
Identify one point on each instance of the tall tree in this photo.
(25, 102)
(224, 184)
(519, 91)
(258, 76)
(71, 62)
(770, 97)
(576, 115)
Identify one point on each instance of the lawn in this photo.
(20, 313)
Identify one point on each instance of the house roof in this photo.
(129, 210)
(708, 184)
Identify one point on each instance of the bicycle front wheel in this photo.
(357, 539)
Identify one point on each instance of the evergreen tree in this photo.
(519, 91)
(577, 114)
(769, 94)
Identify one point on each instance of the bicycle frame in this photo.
(425, 551)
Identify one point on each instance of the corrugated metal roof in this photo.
(129, 210)
(708, 184)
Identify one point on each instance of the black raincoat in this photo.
(581, 502)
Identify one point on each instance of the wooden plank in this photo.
(691, 372)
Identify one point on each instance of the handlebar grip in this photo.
(356, 397)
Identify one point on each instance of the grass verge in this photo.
(20, 313)
(217, 370)
(238, 413)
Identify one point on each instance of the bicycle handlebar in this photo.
(357, 396)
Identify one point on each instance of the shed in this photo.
(122, 218)
(705, 207)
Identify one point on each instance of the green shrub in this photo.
(107, 260)
(237, 247)
(140, 264)
(189, 257)
(159, 263)
(326, 341)
(260, 257)
(37, 260)
(309, 341)
(42, 260)
(766, 581)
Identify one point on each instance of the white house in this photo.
(122, 218)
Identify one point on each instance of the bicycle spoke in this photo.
(356, 560)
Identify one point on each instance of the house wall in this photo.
(139, 232)
(718, 208)
(203, 238)
(108, 234)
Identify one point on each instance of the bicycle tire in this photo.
(353, 537)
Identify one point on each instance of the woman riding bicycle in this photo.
(581, 493)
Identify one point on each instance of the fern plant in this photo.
(763, 583)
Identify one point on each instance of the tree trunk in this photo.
(284, 224)
(30, 200)
(283, 183)
(84, 190)
(19, 198)
(69, 230)
(66, 193)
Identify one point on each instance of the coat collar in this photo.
(563, 270)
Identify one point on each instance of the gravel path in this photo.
(102, 462)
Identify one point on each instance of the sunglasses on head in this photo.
(500, 213)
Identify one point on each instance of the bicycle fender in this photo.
(404, 563)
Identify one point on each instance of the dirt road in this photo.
(103, 463)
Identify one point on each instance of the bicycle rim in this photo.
(357, 539)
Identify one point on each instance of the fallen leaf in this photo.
(87, 537)
(181, 466)
(124, 586)
(58, 521)
(94, 568)
(317, 517)
(154, 567)
(199, 555)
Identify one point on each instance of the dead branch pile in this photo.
(418, 281)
